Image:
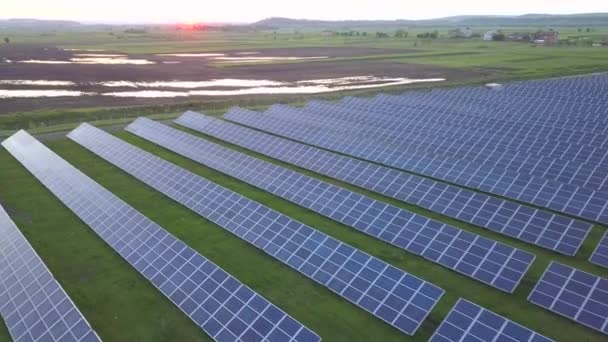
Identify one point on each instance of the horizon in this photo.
(340, 10)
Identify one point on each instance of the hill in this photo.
(587, 19)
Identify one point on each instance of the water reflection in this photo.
(193, 84)
(30, 93)
(191, 54)
(91, 60)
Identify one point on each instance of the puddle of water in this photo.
(37, 83)
(264, 59)
(310, 89)
(15, 93)
(171, 62)
(104, 60)
(98, 55)
(37, 61)
(8, 61)
(91, 60)
(191, 54)
(245, 87)
(247, 53)
(193, 84)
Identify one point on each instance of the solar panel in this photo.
(223, 307)
(470, 322)
(578, 295)
(544, 229)
(560, 197)
(485, 260)
(33, 304)
(388, 293)
(600, 255)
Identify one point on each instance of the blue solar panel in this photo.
(578, 295)
(33, 304)
(600, 255)
(470, 322)
(560, 197)
(554, 232)
(223, 307)
(388, 293)
(482, 259)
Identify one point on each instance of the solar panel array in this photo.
(33, 304)
(470, 322)
(600, 255)
(223, 307)
(578, 295)
(565, 198)
(555, 232)
(485, 260)
(388, 293)
(585, 166)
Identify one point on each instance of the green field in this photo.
(123, 306)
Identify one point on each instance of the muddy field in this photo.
(31, 63)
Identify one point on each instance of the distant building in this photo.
(546, 37)
(489, 35)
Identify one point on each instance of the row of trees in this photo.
(7, 40)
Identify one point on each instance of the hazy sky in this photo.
(252, 10)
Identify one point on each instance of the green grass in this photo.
(123, 306)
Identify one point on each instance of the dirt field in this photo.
(86, 76)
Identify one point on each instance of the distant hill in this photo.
(38, 23)
(589, 19)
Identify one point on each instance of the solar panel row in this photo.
(33, 304)
(388, 293)
(223, 307)
(578, 295)
(581, 166)
(470, 322)
(558, 233)
(483, 153)
(485, 260)
(559, 197)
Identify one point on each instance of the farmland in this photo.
(121, 304)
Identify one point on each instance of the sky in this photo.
(253, 10)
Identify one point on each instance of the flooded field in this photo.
(51, 77)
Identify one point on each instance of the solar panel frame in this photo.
(558, 233)
(482, 259)
(32, 302)
(352, 274)
(574, 294)
(468, 321)
(600, 254)
(218, 303)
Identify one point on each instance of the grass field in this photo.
(123, 306)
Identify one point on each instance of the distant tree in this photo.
(381, 35)
(434, 34)
(401, 34)
(364, 34)
(357, 33)
(7, 40)
(588, 29)
(499, 37)
(580, 29)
